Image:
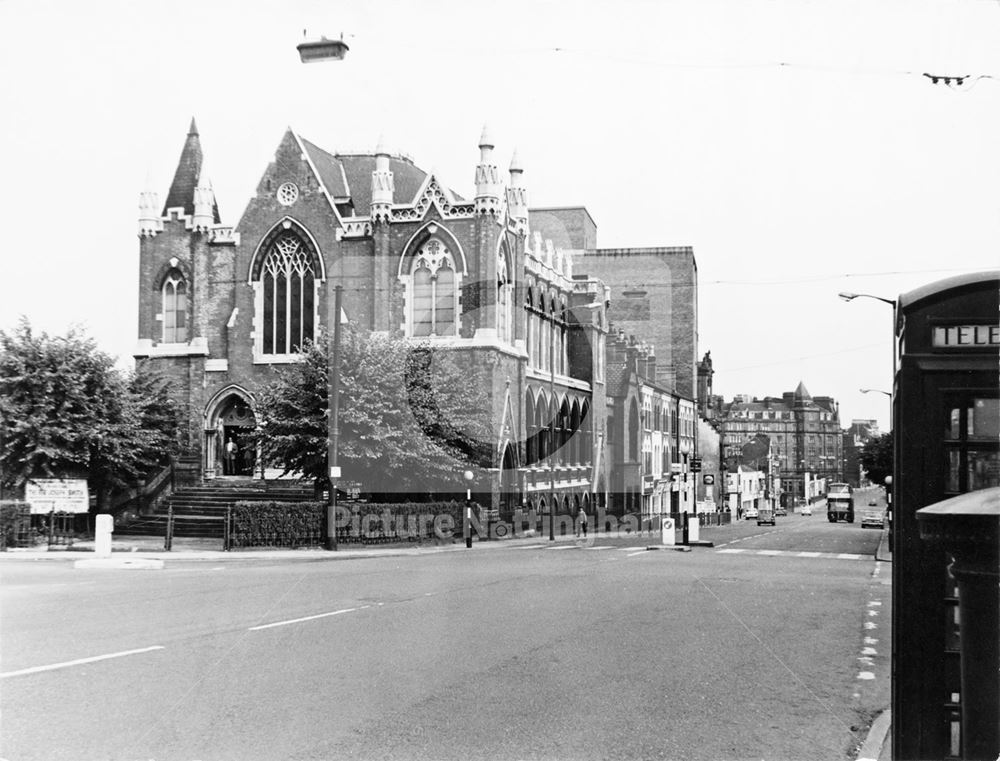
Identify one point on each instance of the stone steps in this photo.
(200, 511)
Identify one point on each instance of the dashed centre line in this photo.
(79, 661)
(306, 618)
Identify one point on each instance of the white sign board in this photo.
(63, 495)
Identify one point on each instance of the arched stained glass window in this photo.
(287, 283)
(174, 297)
(434, 292)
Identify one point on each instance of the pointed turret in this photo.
(517, 196)
(204, 203)
(801, 395)
(487, 177)
(383, 184)
(150, 221)
(188, 172)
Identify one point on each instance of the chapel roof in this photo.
(349, 176)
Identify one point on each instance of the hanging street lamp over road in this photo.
(875, 391)
(322, 50)
(848, 296)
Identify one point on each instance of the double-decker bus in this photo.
(840, 503)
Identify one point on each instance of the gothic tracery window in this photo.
(504, 301)
(287, 283)
(434, 291)
(174, 302)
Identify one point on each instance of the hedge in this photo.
(303, 524)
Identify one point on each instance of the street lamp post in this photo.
(848, 296)
(333, 421)
(467, 526)
(310, 52)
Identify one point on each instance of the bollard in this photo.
(667, 535)
(103, 527)
(694, 525)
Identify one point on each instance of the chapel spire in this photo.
(188, 172)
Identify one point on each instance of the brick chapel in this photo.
(221, 304)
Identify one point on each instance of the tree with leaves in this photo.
(876, 458)
(412, 416)
(66, 411)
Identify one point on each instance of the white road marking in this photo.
(633, 554)
(869, 651)
(794, 554)
(305, 618)
(865, 675)
(564, 547)
(874, 603)
(79, 661)
(608, 547)
(871, 625)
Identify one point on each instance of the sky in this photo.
(795, 145)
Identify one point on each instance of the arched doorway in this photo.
(230, 450)
(509, 497)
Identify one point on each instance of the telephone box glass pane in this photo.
(954, 469)
(984, 469)
(954, 427)
(984, 419)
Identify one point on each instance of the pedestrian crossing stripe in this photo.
(794, 554)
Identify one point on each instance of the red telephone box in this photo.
(946, 426)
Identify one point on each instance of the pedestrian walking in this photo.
(231, 450)
(581, 523)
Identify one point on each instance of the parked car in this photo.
(873, 517)
(805, 509)
(751, 513)
(765, 515)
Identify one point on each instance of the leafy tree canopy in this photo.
(876, 458)
(65, 410)
(412, 417)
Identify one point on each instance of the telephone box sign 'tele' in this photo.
(946, 434)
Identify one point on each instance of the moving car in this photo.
(805, 509)
(873, 516)
(765, 515)
(780, 510)
(751, 513)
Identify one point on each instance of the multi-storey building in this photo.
(654, 291)
(652, 434)
(804, 433)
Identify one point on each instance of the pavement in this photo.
(126, 551)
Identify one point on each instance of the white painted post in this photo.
(693, 526)
(103, 527)
(667, 535)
